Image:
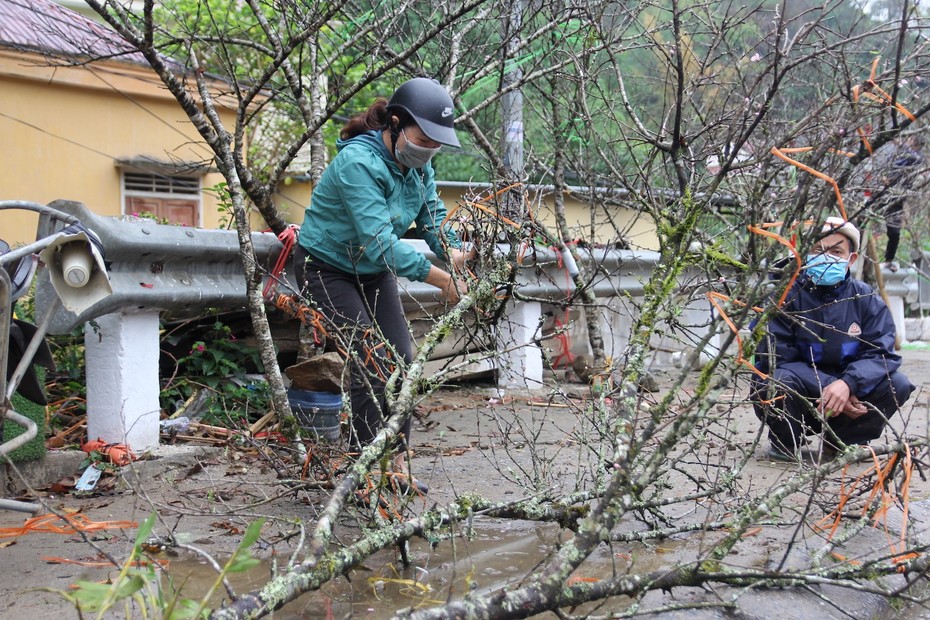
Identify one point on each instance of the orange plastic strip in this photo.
(884, 97)
(797, 259)
(714, 296)
(879, 492)
(820, 175)
(72, 525)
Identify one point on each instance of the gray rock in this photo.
(322, 373)
(648, 383)
(584, 368)
(583, 365)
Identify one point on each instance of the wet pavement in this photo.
(503, 445)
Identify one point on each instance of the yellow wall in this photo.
(63, 129)
(291, 198)
(608, 224)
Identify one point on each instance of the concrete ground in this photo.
(503, 445)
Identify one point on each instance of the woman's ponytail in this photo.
(375, 117)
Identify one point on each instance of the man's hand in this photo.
(834, 399)
(855, 408)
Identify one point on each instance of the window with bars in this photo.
(171, 199)
(160, 183)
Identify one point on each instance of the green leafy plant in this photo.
(139, 585)
(148, 215)
(223, 204)
(220, 363)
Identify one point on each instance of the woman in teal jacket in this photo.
(349, 252)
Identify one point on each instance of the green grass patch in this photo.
(35, 448)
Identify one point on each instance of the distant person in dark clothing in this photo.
(829, 356)
(891, 198)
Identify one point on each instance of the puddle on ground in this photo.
(498, 554)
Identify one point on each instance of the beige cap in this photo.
(843, 227)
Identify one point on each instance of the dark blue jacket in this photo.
(845, 331)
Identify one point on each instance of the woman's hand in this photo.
(453, 290)
(460, 257)
(450, 287)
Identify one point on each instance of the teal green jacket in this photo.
(363, 205)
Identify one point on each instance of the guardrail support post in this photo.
(616, 320)
(521, 363)
(121, 353)
(896, 307)
(901, 287)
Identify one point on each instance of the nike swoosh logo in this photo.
(447, 112)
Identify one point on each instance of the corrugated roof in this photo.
(48, 28)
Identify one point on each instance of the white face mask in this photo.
(413, 155)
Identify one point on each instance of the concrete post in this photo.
(699, 315)
(902, 287)
(896, 307)
(521, 363)
(616, 319)
(121, 356)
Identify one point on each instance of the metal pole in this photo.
(6, 409)
(6, 318)
(12, 504)
(512, 114)
(21, 440)
(26, 250)
(512, 100)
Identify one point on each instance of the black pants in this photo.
(894, 220)
(367, 310)
(791, 415)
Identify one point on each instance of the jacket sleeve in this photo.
(430, 217)
(363, 185)
(877, 358)
(780, 339)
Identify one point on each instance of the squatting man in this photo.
(828, 356)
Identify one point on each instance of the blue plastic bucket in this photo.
(317, 412)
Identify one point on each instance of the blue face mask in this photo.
(825, 270)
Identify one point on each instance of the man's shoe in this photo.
(778, 453)
(829, 452)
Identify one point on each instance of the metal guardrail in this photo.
(543, 276)
(905, 283)
(157, 267)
